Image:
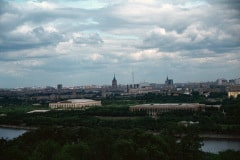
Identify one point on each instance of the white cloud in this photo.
(153, 55)
(153, 37)
(23, 29)
(95, 57)
(41, 5)
(50, 28)
(64, 47)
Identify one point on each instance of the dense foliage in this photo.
(99, 143)
(113, 132)
(212, 120)
(58, 143)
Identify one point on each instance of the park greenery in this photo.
(113, 132)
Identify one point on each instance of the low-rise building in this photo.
(234, 91)
(74, 104)
(155, 109)
(233, 94)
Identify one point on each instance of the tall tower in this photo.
(59, 86)
(169, 82)
(114, 82)
(166, 82)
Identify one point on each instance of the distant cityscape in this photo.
(60, 92)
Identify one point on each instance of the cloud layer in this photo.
(82, 42)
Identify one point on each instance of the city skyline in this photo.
(83, 42)
(167, 81)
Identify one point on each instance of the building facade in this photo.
(75, 104)
(233, 94)
(59, 86)
(114, 82)
(169, 82)
(234, 91)
(155, 109)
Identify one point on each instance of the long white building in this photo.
(155, 109)
(74, 104)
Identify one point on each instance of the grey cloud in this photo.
(172, 43)
(44, 36)
(38, 37)
(233, 4)
(104, 40)
(44, 16)
(216, 32)
(65, 19)
(92, 39)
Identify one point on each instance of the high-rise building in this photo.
(59, 86)
(237, 81)
(169, 82)
(114, 82)
(221, 81)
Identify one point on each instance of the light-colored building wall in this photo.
(74, 104)
(233, 94)
(154, 109)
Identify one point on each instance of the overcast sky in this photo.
(83, 42)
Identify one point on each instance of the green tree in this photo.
(123, 150)
(190, 145)
(229, 154)
(45, 150)
(80, 151)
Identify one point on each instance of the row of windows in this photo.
(161, 109)
(72, 105)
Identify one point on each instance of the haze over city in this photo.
(79, 42)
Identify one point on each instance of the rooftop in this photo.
(38, 111)
(77, 101)
(168, 105)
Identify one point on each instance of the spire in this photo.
(114, 77)
(114, 82)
